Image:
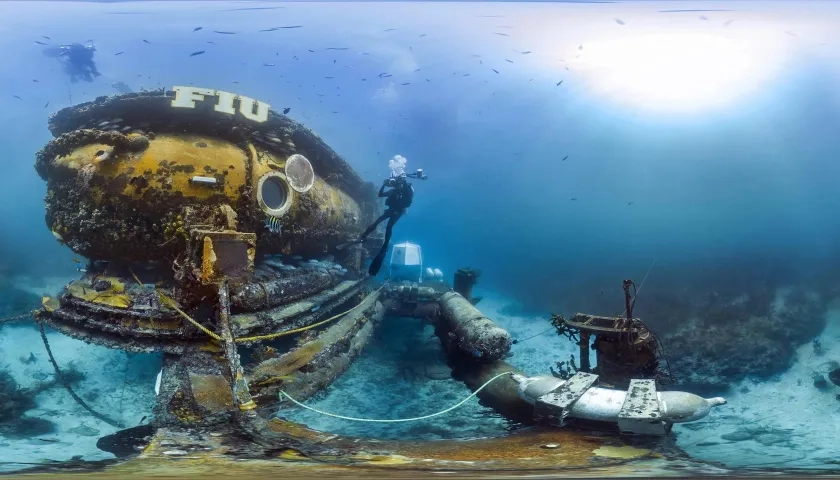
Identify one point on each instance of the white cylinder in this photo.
(604, 404)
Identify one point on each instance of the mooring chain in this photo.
(16, 318)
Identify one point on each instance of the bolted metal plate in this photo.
(554, 406)
(641, 413)
(226, 254)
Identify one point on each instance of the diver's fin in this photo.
(376, 264)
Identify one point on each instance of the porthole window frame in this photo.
(290, 194)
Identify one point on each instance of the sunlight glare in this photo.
(677, 72)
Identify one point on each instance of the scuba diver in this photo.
(397, 201)
(77, 60)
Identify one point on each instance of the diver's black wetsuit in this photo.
(397, 200)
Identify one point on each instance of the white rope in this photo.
(399, 419)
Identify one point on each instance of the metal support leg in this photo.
(241, 395)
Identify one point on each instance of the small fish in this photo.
(494, 70)
(330, 78)
(619, 21)
(501, 34)
(194, 30)
(273, 225)
(703, 17)
(268, 64)
(44, 36)
(146, 41)
(428, 80)
(223, 32)
(406, 83)
(200, 52)
(417, 70)
(337, 48)
(286, 110)
(422, 35)
(35, 80)
(629, 203)
(790, 33)
(76, 260)
(145, 416)
(118, 53)
(41, 43)
(728, 23)
(390, 29)
(17, 97)
(293, 26)
(210, 42)
(564, 158)
(47, 105)
(509, 61)
(526, 52)
(560, 82)
(574, 199)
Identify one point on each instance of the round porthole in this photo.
(274, 194)
(299, 173)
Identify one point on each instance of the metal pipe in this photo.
(467, 329)
(584, 351)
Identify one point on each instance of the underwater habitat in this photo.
(394, 239)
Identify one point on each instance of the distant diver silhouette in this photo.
(77, 60)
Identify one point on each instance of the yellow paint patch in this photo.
(290, 455)
(624, 451)
(383, 459)
(50, 304)
(286, 364)
(185, 156)
(114, 296)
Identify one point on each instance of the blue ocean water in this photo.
(554, 171)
